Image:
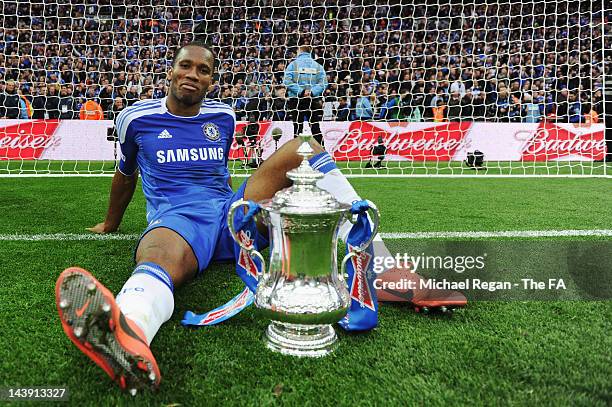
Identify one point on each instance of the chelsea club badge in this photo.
(211, 131)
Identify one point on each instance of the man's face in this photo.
(10, 87)
(191, 75)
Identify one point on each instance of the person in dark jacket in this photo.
(52, 103)
(118, 105)
(9, 101)
(66, 105)
(38, 102)
(342, 111)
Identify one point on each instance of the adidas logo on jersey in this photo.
(165, 134)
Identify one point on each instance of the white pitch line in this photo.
(389, 235)
(495, 234)
(65, 237)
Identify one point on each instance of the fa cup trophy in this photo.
(302, 292)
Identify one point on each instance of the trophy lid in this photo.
(304, 196)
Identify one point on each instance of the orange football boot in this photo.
(93, 321)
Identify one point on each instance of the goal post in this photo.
(425, 88)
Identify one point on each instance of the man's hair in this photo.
(196, 43)
(305, 43)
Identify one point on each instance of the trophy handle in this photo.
(375, 216)
(346, 258)
(230, 224)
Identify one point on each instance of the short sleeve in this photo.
(129, 149)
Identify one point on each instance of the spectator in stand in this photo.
(25, 107)
(257, 105)
(454, 107)
(342, 111)
(364, 110)
(478, 97)
(389, 106)
(540, 100)
(160, 91)
(226, 96)
(239, 95)
(352, 99)
(118, 105)
(515, 112)
(39, 98)
(131, 97)
(9, 101)
(405, 105)
(591, 116)
(106, 99)
(66, 105)
(52, 103)
(598, 103)
(532, 110)
(279, 104)
(434, 99)
(562, 106)
(147, 93)
(79, 92)
(329, 105)
(502, 105)
(457, 87)
(574, 109)
(439, 112)
(91, 110)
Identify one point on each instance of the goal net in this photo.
(420, 88)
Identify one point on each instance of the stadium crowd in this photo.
(509, 61)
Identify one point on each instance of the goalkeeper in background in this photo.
(306, 81)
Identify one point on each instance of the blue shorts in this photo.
(205, 229)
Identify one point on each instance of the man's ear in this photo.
(169, 75)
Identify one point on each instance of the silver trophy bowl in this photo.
(301, 291)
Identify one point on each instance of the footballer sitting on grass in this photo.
(180, 145)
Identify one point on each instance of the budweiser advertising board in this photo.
(86, 140)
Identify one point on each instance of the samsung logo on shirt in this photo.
(190, 154)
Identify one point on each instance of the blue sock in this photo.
(155, 270)
(322, 162)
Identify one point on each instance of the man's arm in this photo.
(289, 79)
(321, 82)
(122, 190)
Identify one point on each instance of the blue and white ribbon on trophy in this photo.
(363, 310)
(247, 268)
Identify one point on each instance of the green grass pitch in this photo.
(491, 353)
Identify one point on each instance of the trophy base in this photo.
(301, 340)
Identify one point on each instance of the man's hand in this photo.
(101, 229)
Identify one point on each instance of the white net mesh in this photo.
(426, 88)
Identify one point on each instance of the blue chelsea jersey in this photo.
(182, 160)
